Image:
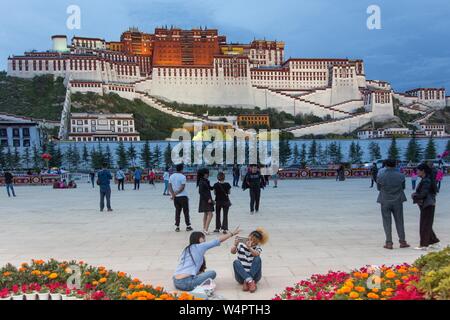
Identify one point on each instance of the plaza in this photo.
(314, 226)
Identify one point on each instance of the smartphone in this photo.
(242, 240)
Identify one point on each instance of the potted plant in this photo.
(28, 291)
(44, 293)
(55, 293)
(5, 294)
(17, 293)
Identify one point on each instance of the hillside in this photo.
(41, 97)
(151, 123)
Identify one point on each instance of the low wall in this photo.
(35, 180)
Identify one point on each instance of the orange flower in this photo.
(354, 295)
(102, 280)
(124, 294)
(375, 290)
(6, 274)
(373, 296)
(390, 275)
(87, 273)
(136, 280)
(365, 275)
(53, 276)
(24, 265)
(35, 272)
(360, 289)
(38, 262)
(46, 273)
(158, 288)
(357, 274)
(22, 269)
(121, 274)
(131, 286)
(94, 283)
(346, 289)
(386, 294)
(102, 272)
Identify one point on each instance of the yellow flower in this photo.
(68, 270)
(354, 295)
(390, 275)
(35, 272)
(373, 296)
(360, 289)
(94, 283)
(349, 284)
(346, 289)
(102, 280)
(53, 276)
(46, 273)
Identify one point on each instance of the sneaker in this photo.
(421, 248)
(217, 231)
(245, 286)
(177, 229)
(435, 246)
(252, 286)
(189, 228)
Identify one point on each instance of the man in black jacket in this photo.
(9, 183)
(374, 173)
(254, 181)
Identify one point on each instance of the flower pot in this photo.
(55, 296)
(44, 296)
(17, 297)
(5, 299)
(30, 296)
(70, 298)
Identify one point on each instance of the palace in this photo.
(199, 66)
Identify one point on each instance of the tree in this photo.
(131, 153)
(97, 157)
(393, 152)
(312, 152)
(2, 158)
(321, 154)
(430, 150)
(58, 158)
(108, 157)
(36, 157)
(413, 151)
(285, 151)
(16, 158)
(68, 155)
(303, 155)
(146, 155)
(374, 151)
(296, 155)
(85, 156)
(9, 161)
(26, 157)
(359, 153)
(156, 156)
(352, 152)
(168, 155)
(73, 157)
(335, 152)
(122, 158)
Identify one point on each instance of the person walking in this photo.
(439, 177)
(340, 173)
(391, 185)
(137, 178)
(92, 177)
(254, 181)
(244, 171)
(9, 182)
(425, 198)
(206, 203)
(236, 175)
(374, 173)
(275, 178)
(104, 178)
(166, 176)
(413, 178)
(191, 270)
(151, 177)
(177, 189)
(222, 191)
(120, 176)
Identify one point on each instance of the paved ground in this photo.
(315, 226)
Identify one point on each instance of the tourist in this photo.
(236, 175)
(151, 177)
(222, 191)
(120, 176)
(244, 171)
(248, 265)
(340, 173)
(439, 177)
(9, 182)
(137, 178)
(104, 178)
(206, 203)
(191, 270)
(413, 176)
(92, 177)
(254, 181)
(275, 178)
(425, 198)
(391, 185)
(166, 176)
(374, 173)
(177, 189)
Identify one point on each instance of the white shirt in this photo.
(166, 176)
(177, 180)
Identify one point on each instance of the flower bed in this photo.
(51, 280)
(427, 278)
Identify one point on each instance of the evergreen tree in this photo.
(94, 159)
(122, 158)
(352, 153)
(108, 157)
(296, 155)
(413, 151)
(131, 153)
(16, 159)
(393, 152)
(374, 151)
(9, 159)
(359, 153)
(339, 155)
(430, 150)
(312, 153)
(146, 155)
(168, 155)
(26, 157)
(85, 156)
(36, 157)
(321, 154)
(68, 156)
(285, 151)
(156, 156)
(97, 157)
(2, 158)
(303, 155)
(58, 159)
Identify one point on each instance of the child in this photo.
(248, 265)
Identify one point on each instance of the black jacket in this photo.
(253, 181)
(425, 194)
(8, 178)
(204, 189)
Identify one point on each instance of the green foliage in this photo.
(168, 155)
(285, 151)
(430, 150)
(41, 97)
(374, 151)
(394, 152)
(335, 152)
(132, 154)
(122, 158)
(152, 124)
(355, 153)
(312, 153)
(435, 279)
(413, 151)
(156, 156)
(303, 155)
(146, 155)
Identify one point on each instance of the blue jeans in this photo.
(255, 272)
(166, 186)
(190, 283)
(9, 186)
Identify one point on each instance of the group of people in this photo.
(391, 185)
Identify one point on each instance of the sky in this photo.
(412, 48)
